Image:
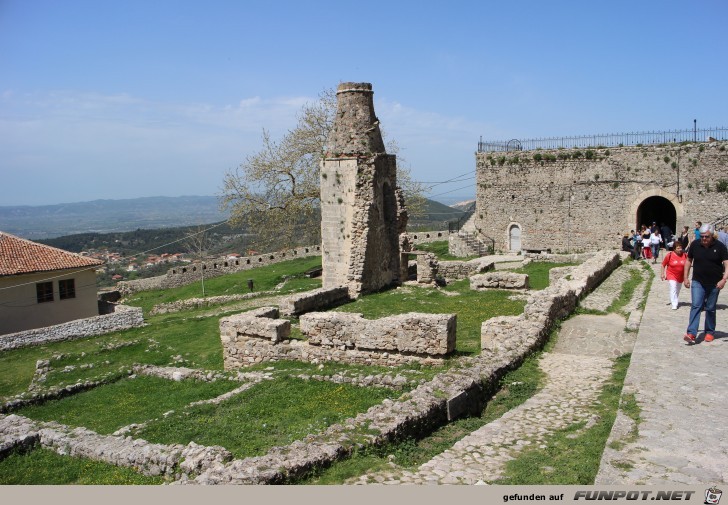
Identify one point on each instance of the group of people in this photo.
(646, 242)
(704, 252)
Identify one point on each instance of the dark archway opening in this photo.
(659, 210)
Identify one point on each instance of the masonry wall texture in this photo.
(572, 205)
(259, 336)
(361, 214)
(123, 318)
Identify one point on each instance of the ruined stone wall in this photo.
(316, 299)
(256, 337)
(123, 318)
(572, 205)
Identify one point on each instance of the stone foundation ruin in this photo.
(259, 336)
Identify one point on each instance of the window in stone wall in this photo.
(66, 289)
(44, 292)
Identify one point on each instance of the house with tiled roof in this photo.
(42, 285)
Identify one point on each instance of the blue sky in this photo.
(109, 99)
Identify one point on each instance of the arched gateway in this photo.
(657, 207)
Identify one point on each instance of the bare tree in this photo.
(275, 192)
(197, 244)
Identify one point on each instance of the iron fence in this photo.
(607, 140)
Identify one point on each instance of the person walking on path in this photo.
(666, 234)
(673, 271)
(710, 274)
(655, 241)
(698, 224)
(685, 238)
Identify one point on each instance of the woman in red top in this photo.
(673, 271)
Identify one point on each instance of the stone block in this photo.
(499, 280)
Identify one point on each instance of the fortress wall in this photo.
(572, 205)
(187, 274)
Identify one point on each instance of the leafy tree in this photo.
(275, 192)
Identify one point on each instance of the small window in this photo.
(66, 289)
(44, 292)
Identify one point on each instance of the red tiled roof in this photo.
(21, 256)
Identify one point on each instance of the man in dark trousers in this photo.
(709, 259)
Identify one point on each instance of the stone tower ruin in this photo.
(362, 211)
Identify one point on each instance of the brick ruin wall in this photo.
(573, 205)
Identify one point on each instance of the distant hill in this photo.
(106, 216)
(436, 216)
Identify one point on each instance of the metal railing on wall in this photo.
(607, 140)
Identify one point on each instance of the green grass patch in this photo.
(107, 408)
(43, 466)
(471, 307)
(264, 279)
(572, 455)
(538, 273)
(271, 413)
(626, 293)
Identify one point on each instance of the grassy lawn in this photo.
(271, 413)
(43, 466)
(471, 307)
(538, 273)
(107, 408)
(264, 279)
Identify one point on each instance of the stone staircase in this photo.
(471, 245)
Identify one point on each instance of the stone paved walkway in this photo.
(682, 436)
(575, 371)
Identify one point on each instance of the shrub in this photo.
(537, 157)
(589, 154)
(721, 186)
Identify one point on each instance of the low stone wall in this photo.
(177, 461)
(425, 237)
(196, 303)
(454, 270)
(429, 268)
(499, 280)
(507, 335)
(558, 273)
(341, 337)
(317, 299)
(123, 318)
(260, 323)
(424, 334)
(183, 275)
